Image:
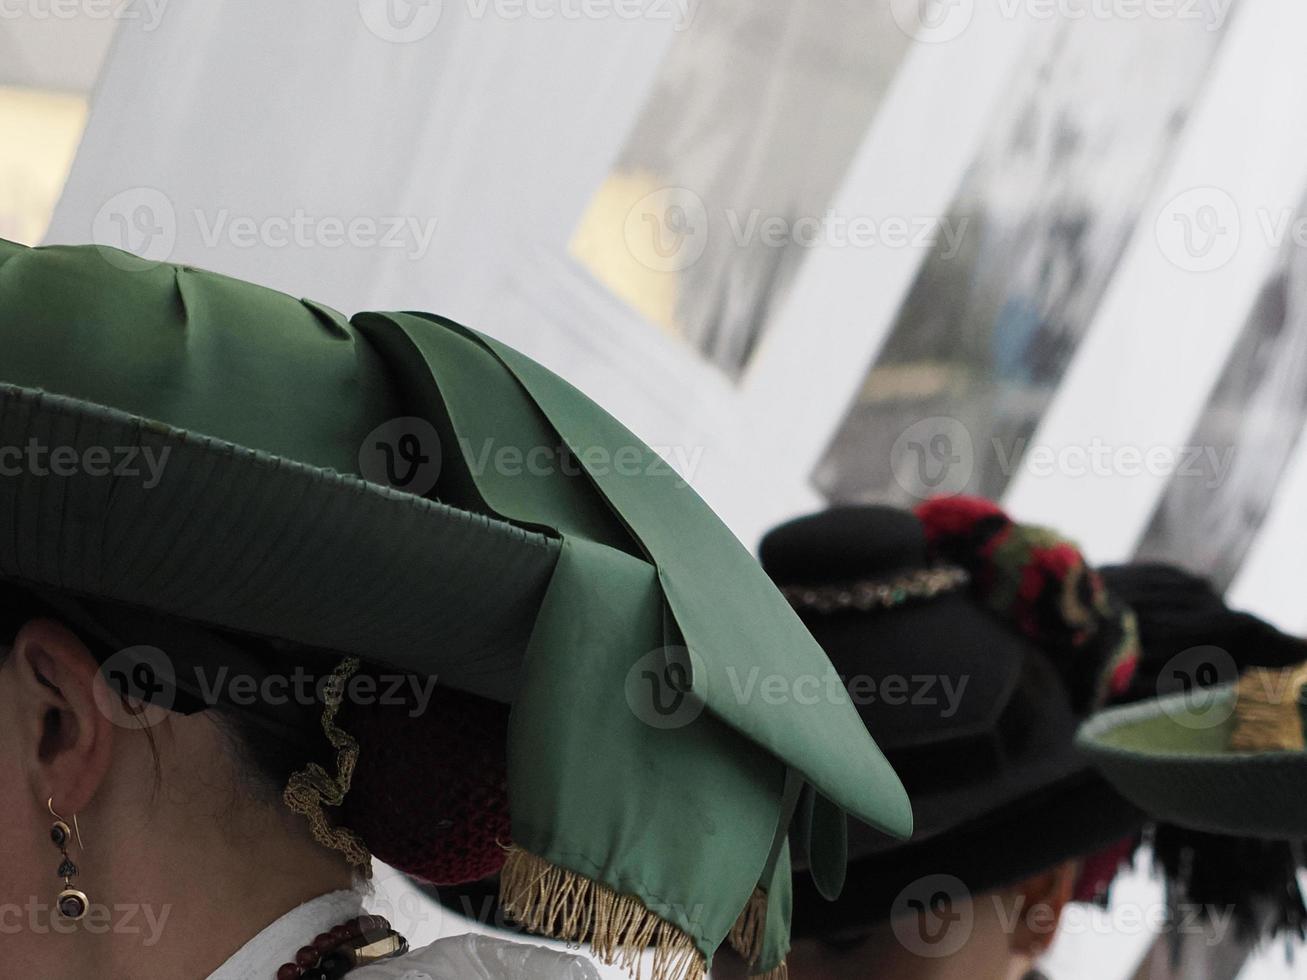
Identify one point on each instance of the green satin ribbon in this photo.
(694, 842)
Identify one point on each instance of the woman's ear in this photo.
(1040, 902)
(64, 719)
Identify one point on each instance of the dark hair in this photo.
(264, 763)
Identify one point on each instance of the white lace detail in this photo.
(470, 957)
(474, 957)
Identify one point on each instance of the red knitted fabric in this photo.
(430, 792)
(1041, 584)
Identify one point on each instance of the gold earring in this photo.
(72, 904)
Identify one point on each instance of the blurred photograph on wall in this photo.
(1243, 441)
(32, 172)
(684, 229)
(995, 315)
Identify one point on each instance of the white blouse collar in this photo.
(260, 958)
(469, 957)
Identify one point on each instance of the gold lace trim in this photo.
(311, 788)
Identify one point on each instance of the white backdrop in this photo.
(499, 131)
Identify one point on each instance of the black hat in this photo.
(972, 647)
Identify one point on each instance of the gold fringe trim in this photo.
(561, 904)
(747, 935)
(311, 788)
(1266, 712)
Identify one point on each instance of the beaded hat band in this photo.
(870, 594)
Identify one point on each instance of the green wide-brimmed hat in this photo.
(1228, 759)
(400, 488)
(1191, 639)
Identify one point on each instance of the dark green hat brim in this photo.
(236, 538)
(1170, 757)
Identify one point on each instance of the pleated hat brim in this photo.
(236, 538)
(1170, 756)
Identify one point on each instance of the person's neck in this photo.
(226, 905)
(183, 918)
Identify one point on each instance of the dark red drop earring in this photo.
(72, 904)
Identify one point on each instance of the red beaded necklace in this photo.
(331, 955)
